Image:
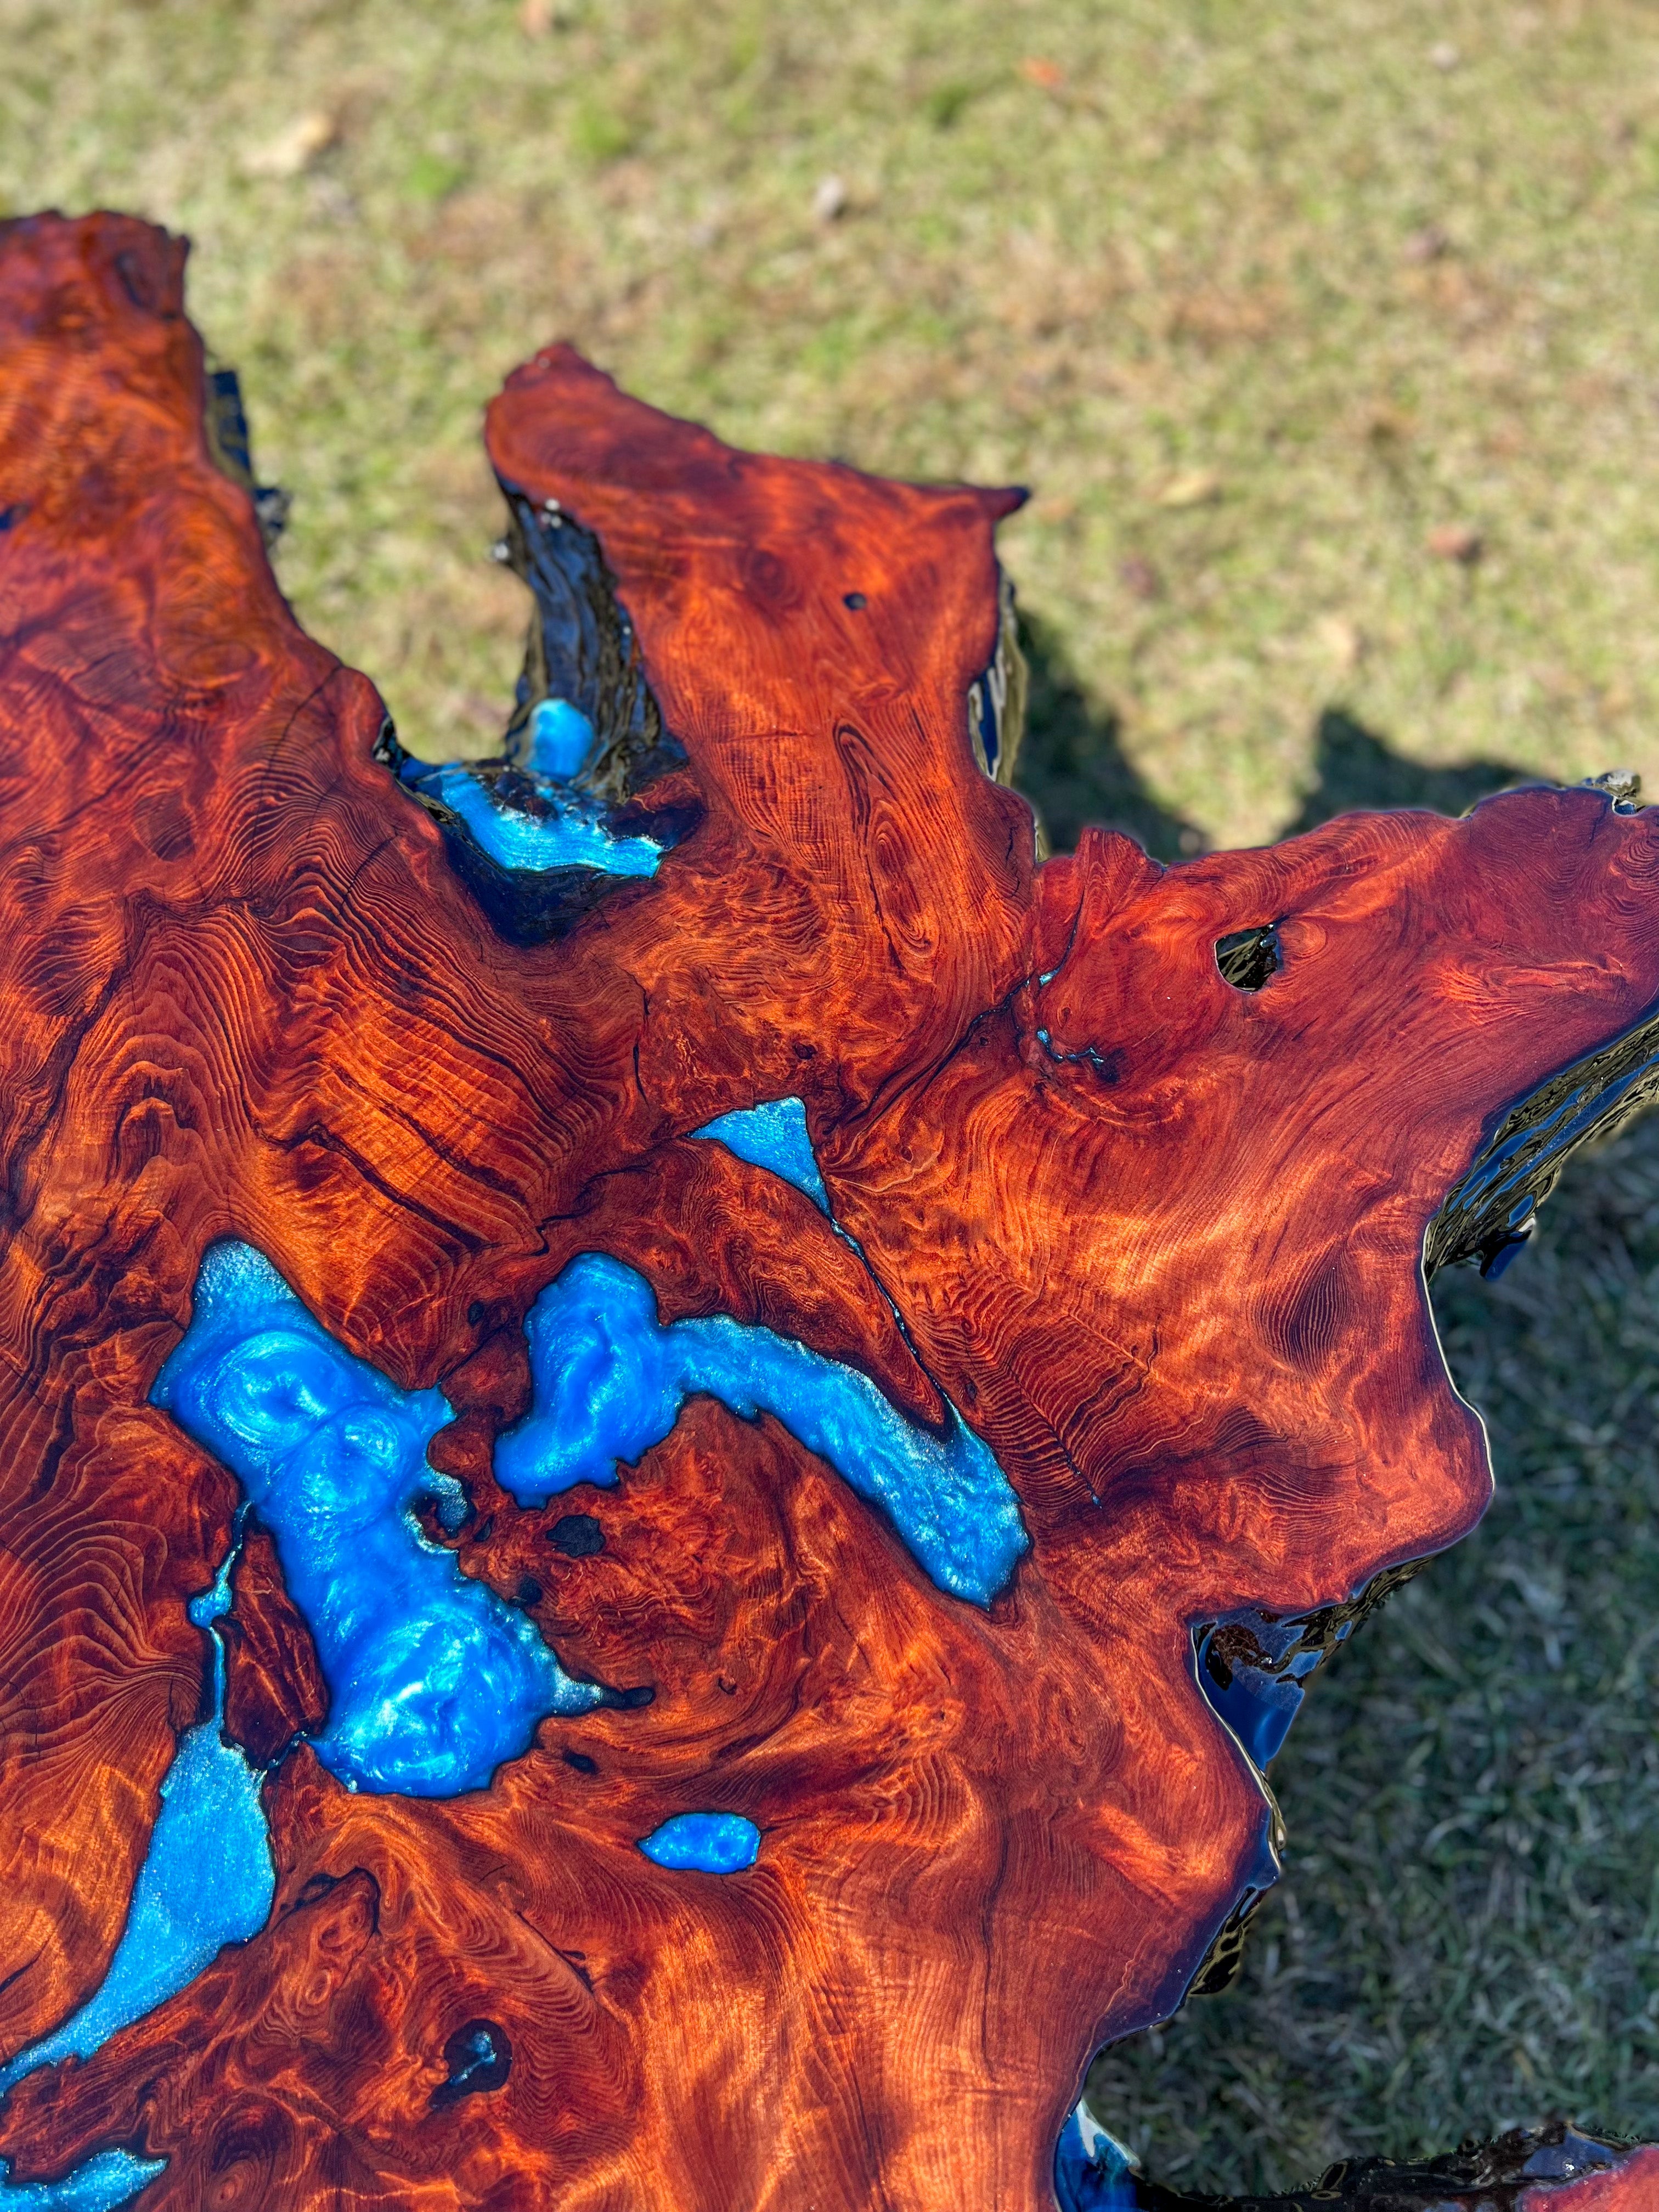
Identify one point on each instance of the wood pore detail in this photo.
(1158, 1237)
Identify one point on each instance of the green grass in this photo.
(1090, 249)
(1256, 297)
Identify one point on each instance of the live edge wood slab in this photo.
(1126, 1177)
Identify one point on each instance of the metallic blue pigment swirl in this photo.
(433, 1679)
(713, 1843)
(611, 1378)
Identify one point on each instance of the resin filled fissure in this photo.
(110, 2179)
(611, 1378)
(531, 823)
(773, 1136)
(1253, 1670)
(548, 828)
(433, 1679)
(207, 1879)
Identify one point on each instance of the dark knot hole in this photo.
(479, 2057)
(1247, 958)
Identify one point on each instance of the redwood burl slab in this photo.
(1089, 1335)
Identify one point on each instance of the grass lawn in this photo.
(1321, 333)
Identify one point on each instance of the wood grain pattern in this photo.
(1157, 1237)
(274, 1688)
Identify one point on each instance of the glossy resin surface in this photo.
(777, 1435)
(207, 1879)
(432, 1678)
(609, 1380)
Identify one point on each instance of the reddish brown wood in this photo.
(1159, 1238)
(274, 1688)
(1633, 2186)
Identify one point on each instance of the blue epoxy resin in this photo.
(433, 1679)
(773, 1136)
(713, 1843)
(1258, 1704)
(112, 2177)
(611, 1378)
(1093, 2173)
(561, 738)
(207, 1879)
(570, 833)
(1260, 1722)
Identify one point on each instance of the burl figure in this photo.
(677, 1427)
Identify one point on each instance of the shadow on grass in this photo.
(1072, 767)
(1354, 769)
(1074, 770)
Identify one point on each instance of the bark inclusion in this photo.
(584, 793)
